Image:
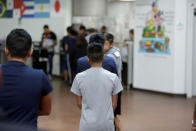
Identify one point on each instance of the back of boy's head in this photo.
(68, 29)
(18, 43)
(97, 38)
(95, 52)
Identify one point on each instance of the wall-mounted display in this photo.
(154, 39)
(31, 9)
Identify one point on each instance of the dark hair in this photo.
(104, 27)
(109, 37)
(68, 29)
(97, 38)
(18, 43)
(131, 31)
(95, 52)
(73, 32)
(91, 30)
(46, 26)
(81, 40)
(82, 27)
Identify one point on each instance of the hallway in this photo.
(141, 110)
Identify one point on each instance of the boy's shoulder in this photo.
(109, 60)
(82, 59)
(102, 71)
(82, 74)
(109, 74)
(35, 72)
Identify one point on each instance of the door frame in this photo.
(189, 48)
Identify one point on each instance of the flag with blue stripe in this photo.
(42, 8)
(29, 12)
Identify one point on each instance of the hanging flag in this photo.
(2, 8)
(29, 9)
(5, 9)
(10, 7)
(19, 8)
(42, 8)
(57, 8)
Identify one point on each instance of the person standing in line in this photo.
(25, 92)
(131, 36)
(103, 30)
(91, 32)
(78, 51)
(114, 52)
(194, 119)
(108, 62)
(96, 101)
(82, 31)
(48, 42)
(69, 42)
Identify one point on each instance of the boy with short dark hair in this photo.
(108, 62)
(114, 52)
(25, 92)
(97, 92)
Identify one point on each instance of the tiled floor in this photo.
(141, 111)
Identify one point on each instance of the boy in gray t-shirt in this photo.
(97, 92)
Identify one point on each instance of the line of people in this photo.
(25, 92)
(75, 45)
(75, 55)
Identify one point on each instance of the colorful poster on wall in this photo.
(154, 39)
(31, 9)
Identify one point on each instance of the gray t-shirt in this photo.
(96, 86)
(114, 52)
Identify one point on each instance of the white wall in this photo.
(35, 28)
(122, 14)
(180, 45)
(89, 7)
(163, 73)
(189, 82)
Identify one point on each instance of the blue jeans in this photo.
(50, 60)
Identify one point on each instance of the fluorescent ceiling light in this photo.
(127, 0)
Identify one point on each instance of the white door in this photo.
(194, 58)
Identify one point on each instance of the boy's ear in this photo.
(30, 53)
(7, 52)
(87, 59)
(103, 57)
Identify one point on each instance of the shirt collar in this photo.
(14, 62)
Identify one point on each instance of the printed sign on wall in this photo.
(31, 9)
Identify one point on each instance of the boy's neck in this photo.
(99, 65)
(17, 59)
